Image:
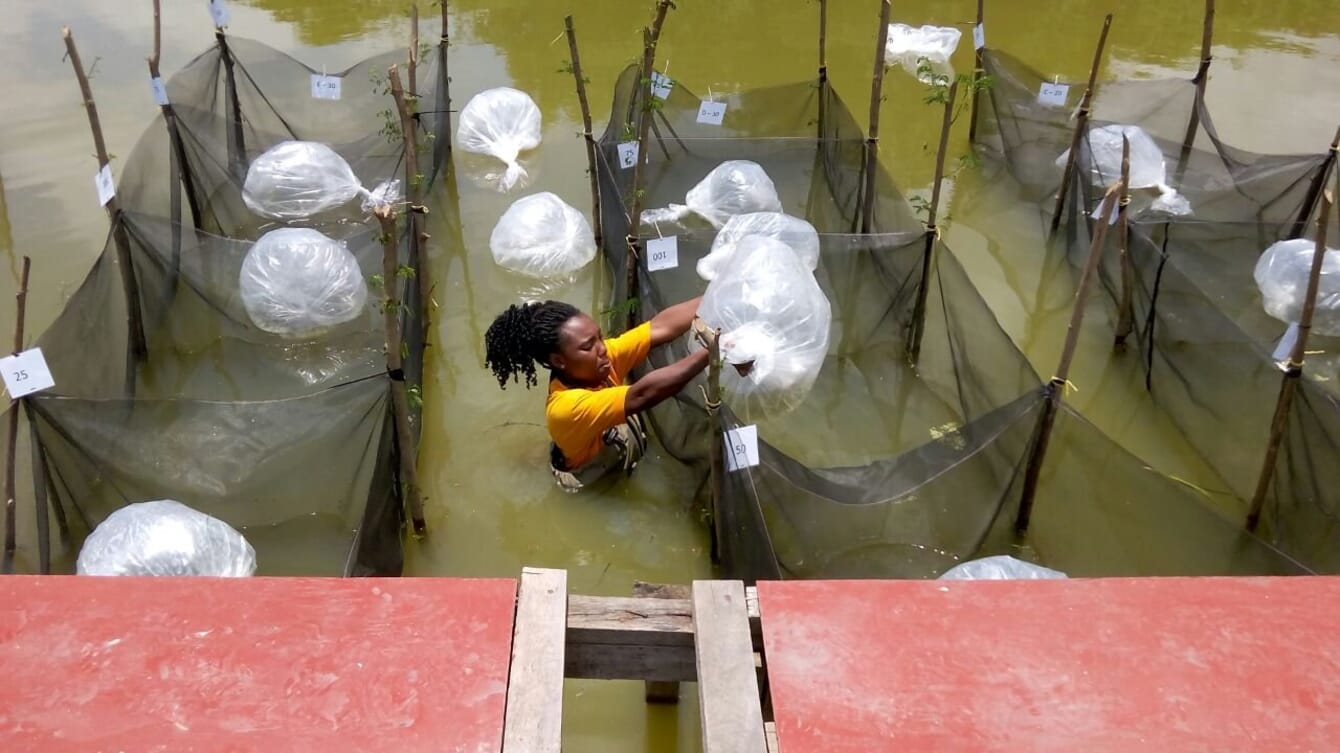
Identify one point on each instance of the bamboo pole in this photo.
(1055, 389)
(170, 120)
(592, 167)
(872, 142)
(978, 68)
(1293, 370)
(1125, 307)
(1202, 76)
(1314, 190)
(1081, 124)
(643, 103)
(442, 143)
(12, 428)
(138, 350)
(408, 450)
(932, 231)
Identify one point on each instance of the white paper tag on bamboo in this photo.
(661, 85)
(26, 373)
(627, 154)
(741, 447)
(106, 187)
(978, 37)
(1053, 95)
(1285, 346)
(325, 87)
(1111, 217)
(663, 253)
(711, 113)
(159, 89)
(218, 10)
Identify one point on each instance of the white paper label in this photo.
(106, 188)
(159, 89)
(741, 448)
(218, 10)
(1053, 95)
(978, 37)
(663, 253)
(1112, 216)
(1286, 343)
(711, 113)
(661, 85)
(26, 373)
(325, 87)
(627, 154)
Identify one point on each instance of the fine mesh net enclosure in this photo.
(1201, 330)
(890, 467)
(282, 430)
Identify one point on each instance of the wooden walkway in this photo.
(426, 664)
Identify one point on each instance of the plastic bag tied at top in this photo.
(1102, 148)
(503, 123)
(542, 236)
(297, 179)
(1281, 275)
(298, 283)
(165, 537)
(793, 231)
(908, 46)
(731, 188)
(1000, 567)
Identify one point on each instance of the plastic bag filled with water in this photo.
(298, 283)
(1000, 567)
(1281, 275)
(297, 179)
(542, 236)
(734, 187)
(793, 231)
(908, 46)
(1102, 152)
(503, 123)
(165, 537)
(773, 316)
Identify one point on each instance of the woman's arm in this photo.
(673, 321)
(663, 382)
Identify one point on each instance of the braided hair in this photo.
(522, 336)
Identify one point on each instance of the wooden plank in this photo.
(728, 697)
(770, 730)
(627, 620)
(534, 720)
(615, 662)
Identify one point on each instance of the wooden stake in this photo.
(643, 103)
(978, 70)
(1202, 76)
(932, 231)
(1206, 40)
(1055, 389)
(12, 428)
(442, 142)
(1081, 125)
(407, 107)
(1125, 307)
(237, 141)
(1314, 191)
(134, 321)
(823, 68)
(872, 143)
(592, 165)
(1293, 370)
(41, 505)
(409, 477)
(717, 453)
(170, 120)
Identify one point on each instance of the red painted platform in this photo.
(140, 665)
(1119, 665)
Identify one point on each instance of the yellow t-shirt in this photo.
(578, 417)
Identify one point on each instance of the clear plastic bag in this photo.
(542, 236)
(1000, 567)
(908, 46)
(165, 537)
(1281, 275)
(297, 179)
(1103, 150)
(773, 314)
(502, 122)
(793, 231)
(298, 283)
(734, 187)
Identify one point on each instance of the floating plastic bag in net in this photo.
(297, 179)
(793, 231)
(1103, 150)
(501, 122)
(1281, 274)
(773, 314)
(1000, 567)
(733, 187)
(297, 283)
(908, 46)
(165, 538)
(542, 236)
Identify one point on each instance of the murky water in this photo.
(492, 506)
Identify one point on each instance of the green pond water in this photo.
(492, 507)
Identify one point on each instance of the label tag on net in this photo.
(325, 87)
(1112, 217)
(978, 37)
(26, 373)
(661, 85)
(159, 89)
(106, 187)
(1286, 343)
(741, 447)
(1053, 95)
(627, 154)
(663, 253)
(711, 113)
(218, 10)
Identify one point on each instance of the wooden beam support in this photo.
(728, 694)
(534, 717)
